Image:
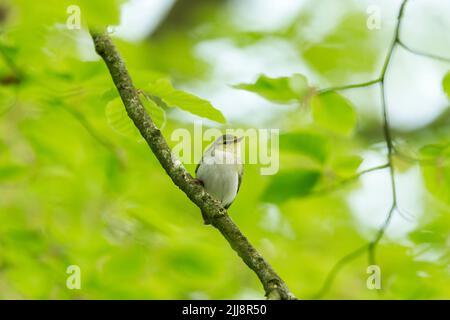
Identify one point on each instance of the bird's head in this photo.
(228, 143)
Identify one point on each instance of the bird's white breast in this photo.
(220, 180)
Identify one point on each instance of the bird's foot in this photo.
(198, 182)
(141, 92)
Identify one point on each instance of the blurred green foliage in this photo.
(333, 112)
(76, 190)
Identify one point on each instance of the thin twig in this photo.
(341, 182)
(422, 53)
(336, 268)
(371, 246)
(350, 86)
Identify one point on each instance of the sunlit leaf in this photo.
(282, 90)
(346, 165)
(333, 112)
(172, 97)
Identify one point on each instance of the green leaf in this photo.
(446, 84)
(311, 144)
(291, 183)
(435, 167)
(118, 120)
(333, 112)
(172, 97)
(157, 114)
(282, 90)
(345, 166)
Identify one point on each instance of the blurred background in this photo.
(78, 186)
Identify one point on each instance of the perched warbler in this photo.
(220, 170)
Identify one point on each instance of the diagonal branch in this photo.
(274, 286)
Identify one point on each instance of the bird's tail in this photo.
(205, 218)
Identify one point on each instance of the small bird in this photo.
(220, 170)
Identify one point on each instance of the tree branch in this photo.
(274, 286)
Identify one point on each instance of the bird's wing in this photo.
(240, 174)
(198, 165)
(209, 151)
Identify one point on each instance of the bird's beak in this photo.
(237, 140)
